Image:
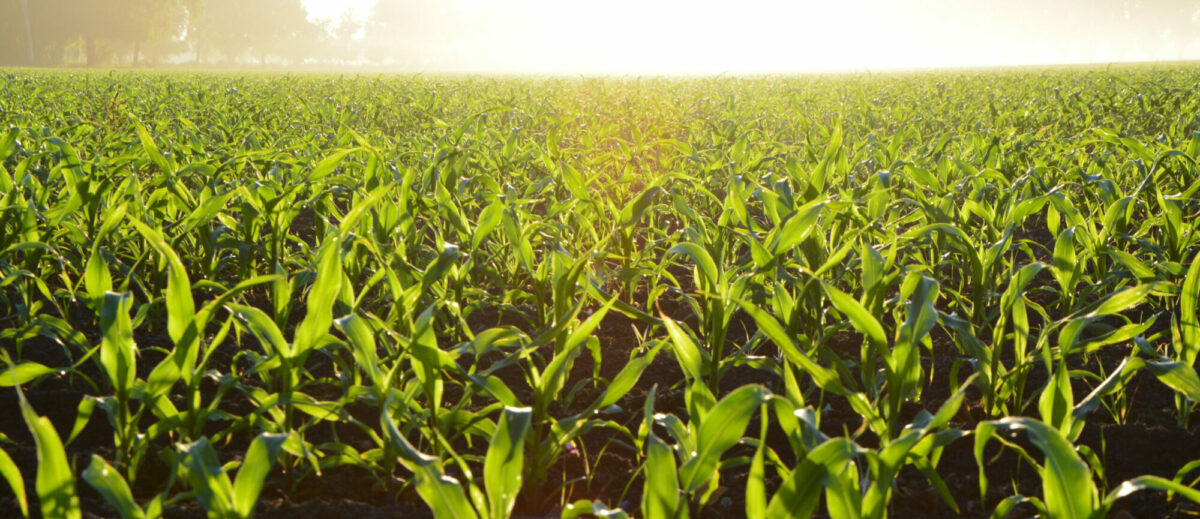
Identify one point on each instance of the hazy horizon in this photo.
(670, 36)
(617, 37)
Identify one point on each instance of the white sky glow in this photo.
(748, 36)
(333, 9)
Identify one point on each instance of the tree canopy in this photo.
(136, 32)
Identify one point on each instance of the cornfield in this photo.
(932, 294)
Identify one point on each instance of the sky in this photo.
(750, 36)
(334, 9)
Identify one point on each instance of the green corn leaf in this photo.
(497, 389)
(117, 350)
(181, 364)
(1067, 486)
(181, 308)
(328, 164)
(1123, 300)
(862, 320)
(1115, 382)
(112, 218)
(505, 460)
(800, 493)
(113, 488)
(661, 497)
(922, 313)
(443, 494)
(12, 474)
(24, 373)
(427, 358)
(1177, 375)
(1138, 268)
(593, 508)
(261, 455)
(632, 212)
(488, 220)
(1057, 401)
(756, 488)
(1189, 313)
(795, 229)
(554, 376)
(1005, 506)
(96, 279)
(83, 413)
(1065, 261)
(362, 344)
(587, 328)
(704, 264)
(9, 143)
(208, 478)
(625, 379)
(826, 379)
(264, 328)
(621, 306)
(321, 297)
(689, 356)
(55, 483)
(206, 211)
(150, 147)
(838, 258)
(356, 213)
(1150, 483)
(720, 430)
(950, 406)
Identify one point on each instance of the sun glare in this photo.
(674, 36)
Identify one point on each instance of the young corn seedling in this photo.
(550, 436)
(1068, 487)
(209, 480)
(683, 477)
(187, 328)
(287, 359)
(714, 306)
(902, 366)
(502, 470)
(833, 464)
(118, 355)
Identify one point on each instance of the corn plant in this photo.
(830, 463)
(685, 476)
(502, 470)
(210, 481)
(1068, 486)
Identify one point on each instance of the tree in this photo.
(284, 32)
(152, 24)
(262, 28)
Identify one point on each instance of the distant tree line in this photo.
(149, 32)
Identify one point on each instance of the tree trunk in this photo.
(136, 51)
(28, 32)
(90, 45)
